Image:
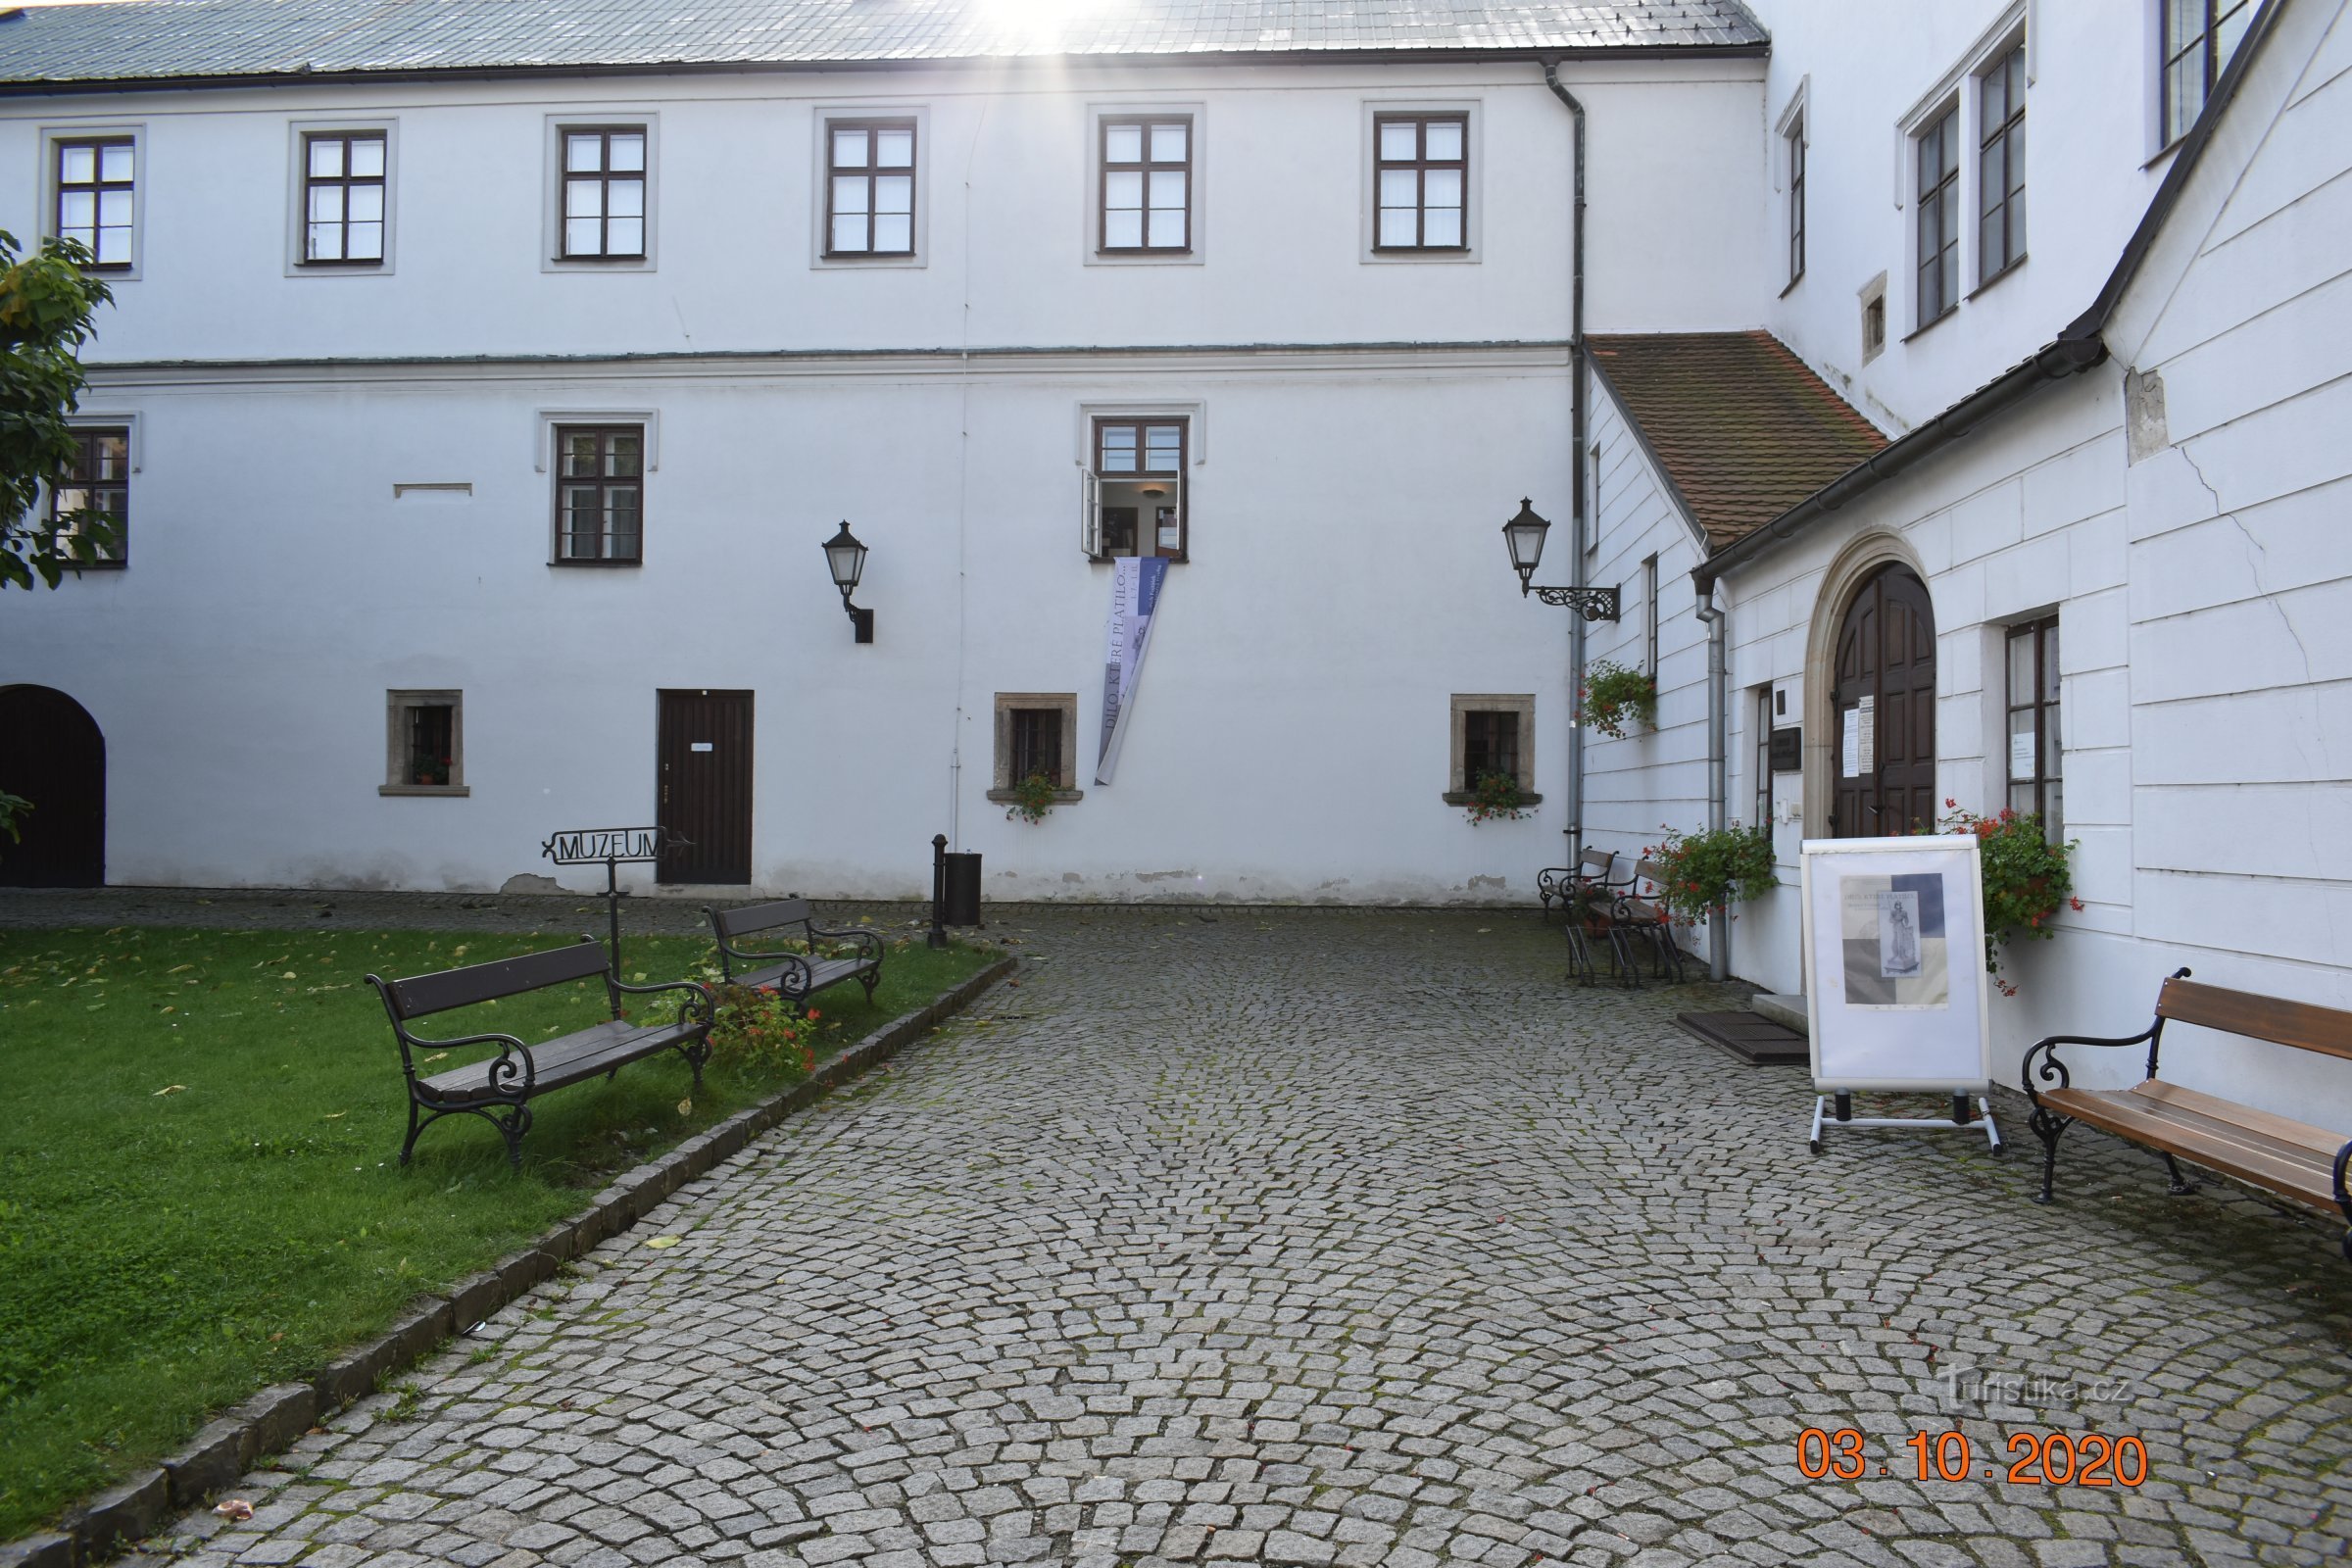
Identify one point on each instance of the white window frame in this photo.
(820, 181)
(1795, 126)
(1474, 193)
(398, 703)
(297, 194)
(1962, 86)
(1091, 220)
(588, 116)
(47, 184)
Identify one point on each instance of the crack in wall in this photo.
(2255, 562)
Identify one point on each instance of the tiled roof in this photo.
(1743, 429)
(156, 39)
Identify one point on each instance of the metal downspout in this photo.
(1719, 931)
(1575, 468)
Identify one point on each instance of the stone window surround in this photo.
(1001, 791)
(396, 703)
(1523, 703)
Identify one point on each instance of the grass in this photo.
(199, 1187)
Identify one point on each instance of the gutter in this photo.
(1719, 782)
(1576, 466)
(2081, 346)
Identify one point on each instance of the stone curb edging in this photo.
(227, 1448)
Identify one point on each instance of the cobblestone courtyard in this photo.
(1323, 1237)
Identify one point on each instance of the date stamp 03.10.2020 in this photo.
(2030, 1459)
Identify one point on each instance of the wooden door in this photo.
(1883, 749)
(706, 786)
(51, 754)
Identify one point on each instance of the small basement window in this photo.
(1492, 734)
(1037, 734)
(1135, 491)
(425, 751)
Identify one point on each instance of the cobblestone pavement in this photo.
(1354, 1238)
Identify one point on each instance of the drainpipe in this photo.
(1576, 467)
(1719, 932)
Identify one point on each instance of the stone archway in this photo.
(52, 755)
(1862, 575)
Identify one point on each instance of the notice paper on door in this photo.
(1850, 747)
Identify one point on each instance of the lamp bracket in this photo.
(1594, 604)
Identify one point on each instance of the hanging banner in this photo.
(1135, 583)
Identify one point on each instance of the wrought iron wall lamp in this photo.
(845, 559)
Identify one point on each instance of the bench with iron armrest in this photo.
(499, 1089)
(1637, 915)
(1587, 893)
(1566, 885)
(795, 976)
(2291, 1160)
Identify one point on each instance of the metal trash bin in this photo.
(960, 895)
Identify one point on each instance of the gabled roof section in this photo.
(1740, 428)
(161, 42)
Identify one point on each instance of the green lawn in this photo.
(199, 1187)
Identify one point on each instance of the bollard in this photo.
(939, 891)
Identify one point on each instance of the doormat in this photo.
(1752, 1038)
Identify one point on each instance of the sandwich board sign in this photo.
(1896, 994)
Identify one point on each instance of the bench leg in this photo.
(870, 979)
(513, 1124)
(415, 1127)
(2182, 1185)
(2050, 1129)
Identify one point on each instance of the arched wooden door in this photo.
(52, 754)
(1884, 747)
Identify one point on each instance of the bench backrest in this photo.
(732, 923)
(2302, 1024)
(1598, 864)
(421, 995)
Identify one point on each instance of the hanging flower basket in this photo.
(1614, 699)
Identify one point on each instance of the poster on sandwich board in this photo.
(1896, 992)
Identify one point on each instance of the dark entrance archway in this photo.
(1883, 750)
(52, 754)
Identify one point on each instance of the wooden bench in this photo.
(1568, 885)
(796, 976)
(499, 1089)
(1639, 912)
(2291, 1160)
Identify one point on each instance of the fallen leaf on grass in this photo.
(289, 976)
(233, 1508)
(171, 1089)
(436, 1055)
(334, 1115)
(662, 1241)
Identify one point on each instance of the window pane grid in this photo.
(1490, 744)
(600, 493)
(1147, 184)
(1037, 745)
(1938, 217)
(1796, 202)
(343, 199)
(604, 193)
(1421, 182)
(870, 189)
(1763, 816)
(2199, 38)
(96, 198)
(1143, 507)
(97, 483)
(2001, 167)
(2036, 755)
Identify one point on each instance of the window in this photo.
(1036, 733)
(1874, 318)
(600, 494)
(1649, 615)
(2199, 38)
(1763, 755)
(96, 194)
(1492, 733)
(1147, 184)
(424, 744)
(2001, 166)
(1421, 167)
(99, 484)
(2036, 753)
(343, 198)
(869, 198)
(1938, 216)
(603, 210)
(1796, 201)
(1136, 487)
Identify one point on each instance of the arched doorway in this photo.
(52, 754)
(1882, 703)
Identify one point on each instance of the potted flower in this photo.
(1496, 795)
(1614, 697)
(1032, 799)
(2024, 878)
(1702, 875)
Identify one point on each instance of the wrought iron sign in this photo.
(587, 846)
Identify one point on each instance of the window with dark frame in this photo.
(1036, 743)
(2199, 38)
(604, 193)
(1797, 200)
(425, 743)
(1763, 817)
(2001, 167)
(1147, 184)
(343, 198)
(1938, 216)
(432, 738)
(1421, 172)
(870, 191)
(97, 198)
(1490, 744)
(1140, 502)
(2036, 754)
(99, 484)
(600, 494)
(1649, 615)
(1874, 326)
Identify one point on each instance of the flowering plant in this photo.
(1496, 796)
(1704, 874)
(1612, 694)
(761, 1031)
(1032, 799)
(2024, 878)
